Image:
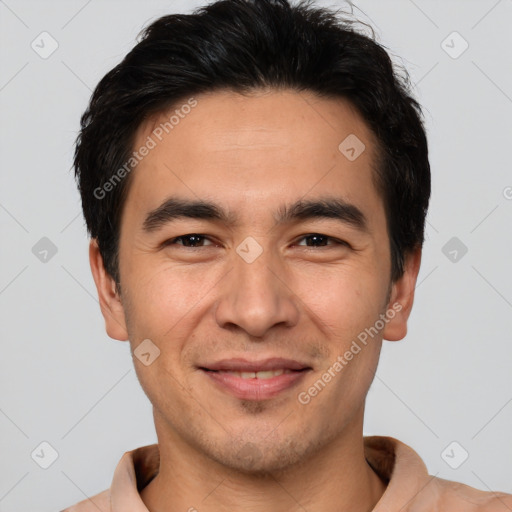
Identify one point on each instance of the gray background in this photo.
(65, 382)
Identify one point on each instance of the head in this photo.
(254, 125)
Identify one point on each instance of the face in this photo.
(251, 243)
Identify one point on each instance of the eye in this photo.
(319, 240)
(196, 240)
(191, 240)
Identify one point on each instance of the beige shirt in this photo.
(409, 486)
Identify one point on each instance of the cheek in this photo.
(163, 304)
(343, 299)
(164, 297)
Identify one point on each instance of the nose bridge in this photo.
(256, 298)
(253, 274)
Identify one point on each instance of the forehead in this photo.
(263, 149)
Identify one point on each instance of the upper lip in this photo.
(244, 365)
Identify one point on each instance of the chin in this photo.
(262, 459)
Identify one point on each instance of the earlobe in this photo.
(402, 298)
(110, 302)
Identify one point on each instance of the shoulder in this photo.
(135, 469)
(98, 503)
(452, 495)
(412, 489)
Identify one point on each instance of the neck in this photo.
(336, 478)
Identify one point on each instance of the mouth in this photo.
(262, 374)
(255, 380)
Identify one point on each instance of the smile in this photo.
(258, 375)
(260, 385)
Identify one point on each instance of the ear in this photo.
(402, 297)
(110, 302)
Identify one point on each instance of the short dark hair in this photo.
(244, 46)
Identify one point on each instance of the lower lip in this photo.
(255, 389)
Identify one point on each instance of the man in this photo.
(255, 181)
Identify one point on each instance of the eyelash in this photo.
(336, 241)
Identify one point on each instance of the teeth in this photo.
(258, 375)
(269, 374)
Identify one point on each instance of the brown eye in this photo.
(319, 240)
(191, 240)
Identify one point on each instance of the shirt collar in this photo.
(395, 462)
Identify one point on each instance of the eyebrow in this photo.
(328, 208)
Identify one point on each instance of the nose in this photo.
(256, 297)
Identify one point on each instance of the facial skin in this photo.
(252, 156)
